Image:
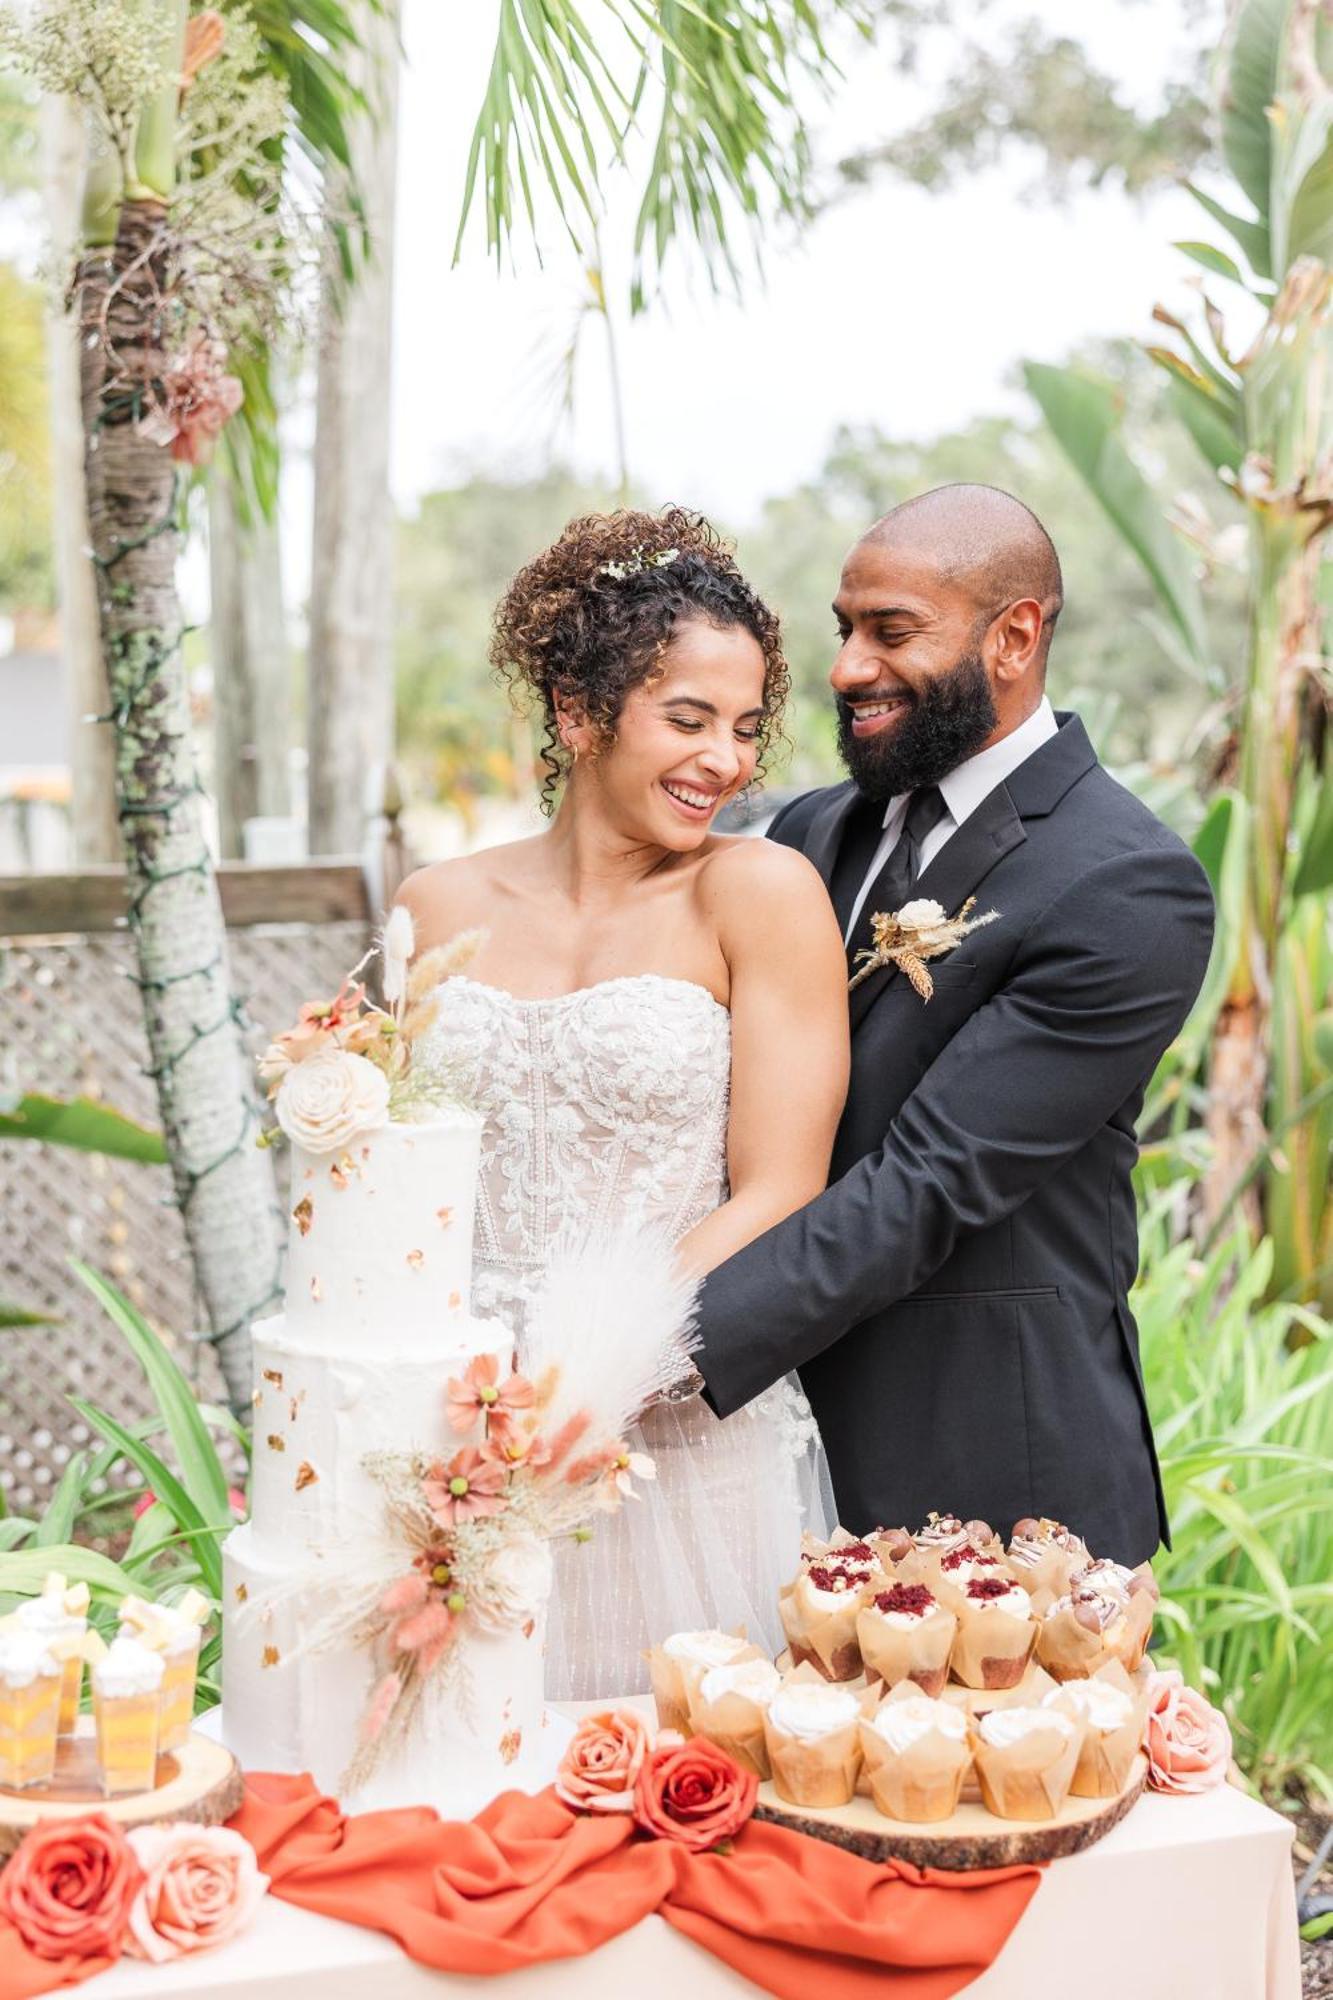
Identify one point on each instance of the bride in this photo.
(655, 1029)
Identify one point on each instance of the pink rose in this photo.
(693, 1793)
(1187, 1740)
(69, 1887)
(201, 1886)
(599, 1769)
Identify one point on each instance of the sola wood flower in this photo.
(624, 1469)
(481, 1393)
(469, 1488)
(908, 937)
(196, 397)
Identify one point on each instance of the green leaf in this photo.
(23, 1571)
(93, 1128)
(1084, 414)
(11, 1315)
(1213, 260)
(1252, 237)
(201, 1469)
(1314, 871)
(1208, 423)
(1250, 86)
(57, 1523)
(201, 1534)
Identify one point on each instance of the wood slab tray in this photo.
(969, 1838)
(199, 1781)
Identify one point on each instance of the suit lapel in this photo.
(827, 827)
(956, 873)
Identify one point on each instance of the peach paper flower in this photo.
(201, 1886)
(1188, 1741)
(469, 1488)
(599, 1769)
(69, 1887)
(693, 1793)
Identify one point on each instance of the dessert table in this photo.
(1188, 1899)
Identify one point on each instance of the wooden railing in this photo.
(310, 892)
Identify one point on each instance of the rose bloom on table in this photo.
(690, 1792)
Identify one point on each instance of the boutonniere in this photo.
(908, 937)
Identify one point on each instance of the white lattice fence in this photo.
(70, 1024)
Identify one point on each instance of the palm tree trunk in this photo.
(223, 1183)
(252, 697)
(92, 753)
(350, 702)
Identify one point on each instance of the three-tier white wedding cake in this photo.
(377, 1324)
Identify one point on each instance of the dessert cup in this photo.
(996, 1635)
(1025, 1760)
(175, 1631)
(905, 1634)
(30, 1686)
(916, 1754)
(60, 1616)
(811, 1732)
(127, 1693)
(680, 1662)
(728, 1704)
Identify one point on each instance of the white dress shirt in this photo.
(963, 791)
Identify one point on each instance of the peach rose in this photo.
(1187, 1740)
(326, 1100)
(599, 1769)
(201, 1885)
(69, 1887)
(693, 1793)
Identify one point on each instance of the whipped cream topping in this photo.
(171, 1631)
(1003, 1727)
(811, 1709)
(941, 1531)
(126, 1668)
(1100, 1705)
(964, 1563)
(904, 1605)
(48, 1615)
(24, 1659)
(824, 1589)
(1013, 1602)
(903, 1723)
(757, 1680)
(703, 1649)
(1112, 1579)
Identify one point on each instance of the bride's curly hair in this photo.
(591, 617)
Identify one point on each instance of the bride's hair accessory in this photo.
(636, 562)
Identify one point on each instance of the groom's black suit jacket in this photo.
(956, 1300)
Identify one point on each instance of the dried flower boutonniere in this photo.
(906, 938)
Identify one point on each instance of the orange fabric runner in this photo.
(529, 1881)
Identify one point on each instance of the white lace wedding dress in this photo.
(607, 1109)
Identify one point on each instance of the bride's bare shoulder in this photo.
(445, 897)
(741, 869)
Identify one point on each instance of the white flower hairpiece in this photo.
(636, 562)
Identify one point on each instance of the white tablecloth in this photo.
(1188, 1899)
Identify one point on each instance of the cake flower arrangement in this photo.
(349, 1066)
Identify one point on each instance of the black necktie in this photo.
(892, 886)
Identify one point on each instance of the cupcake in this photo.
(174, 1631)
(996, 1634)
(727, 1705)
(818, 1613)
(893, 1548)
(961, 1566)
(916, 1755)
(810, 1730)
(1112, 1714)
(679, 1663)
(1025, 1759)
(1105, 1615)
(905, 1634)
(1044, 1555)
(60, 1616)
(30, 1687)
(127, 1690)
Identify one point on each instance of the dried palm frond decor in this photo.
(906, 938)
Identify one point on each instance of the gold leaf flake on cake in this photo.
(271, 1657)
(510, 1745)
(455, 1300)
(293, 1405)
(529, 1627)
(303, 1214)
(445, 1217)
(276, 1441)
(256, 1397)
(273, 1375)
(306, 1475)
(342, 1169)
(241, 1593)
(416, 1258)
(315, 1292)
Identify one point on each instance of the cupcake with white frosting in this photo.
(904, 1633)
(1106, 1615)
(728, 1705)
(1025, 1760)
(996, 1633)
(916, 1754)
(811, 1733)
(1112, 1712)
(818, 1612)
(961, 1566)
(680, 1662)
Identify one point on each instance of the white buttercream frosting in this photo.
(811, 1709)
(1100, 1705)
(703, 1649)
(1003, 1727)
(24, 1658)
(128, 1667)
(903, 1723)
(1014, 1604)
(757, 1680)
(809, 1594)
(1111, 1578)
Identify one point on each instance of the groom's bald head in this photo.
(984, 541)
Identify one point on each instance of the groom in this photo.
(956, 1301)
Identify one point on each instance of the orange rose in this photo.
(69, 1888)
(694, 1793)
(599, 1769)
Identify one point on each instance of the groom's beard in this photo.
(949, 721)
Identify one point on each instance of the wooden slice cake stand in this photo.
(199, 1781)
